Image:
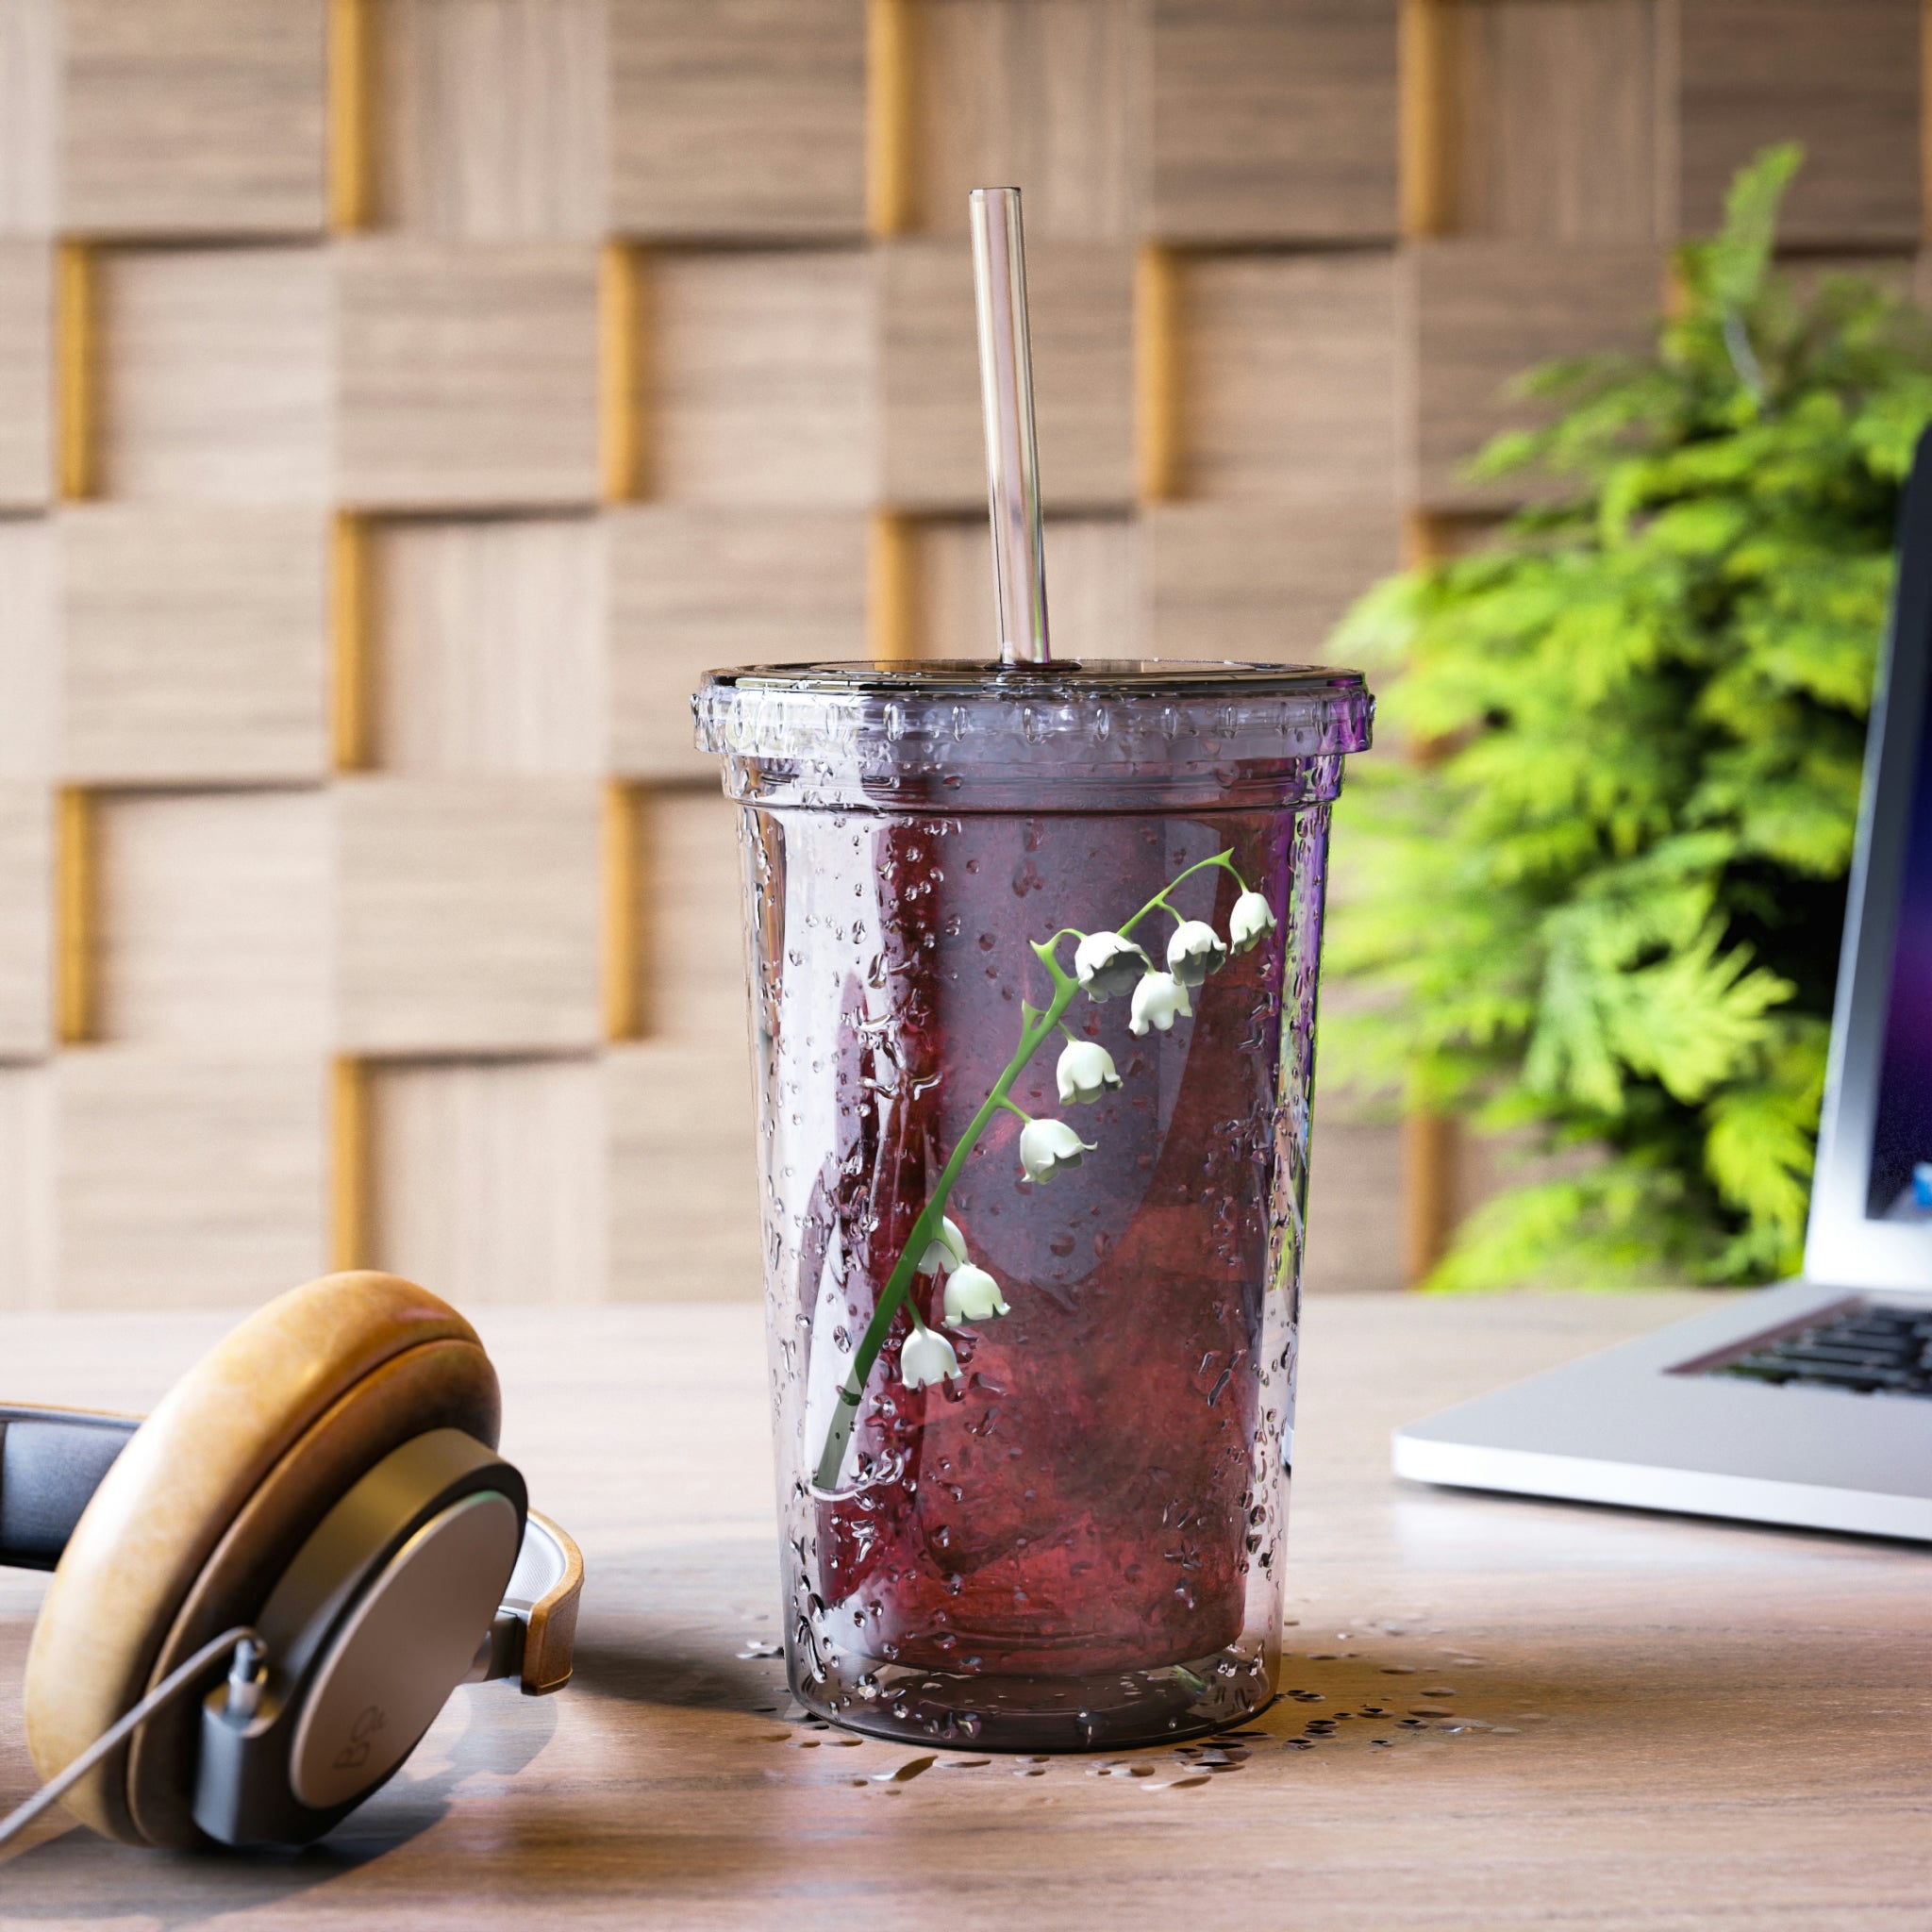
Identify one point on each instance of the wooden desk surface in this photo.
(1694, 1724)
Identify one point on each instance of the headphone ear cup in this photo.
(208, 1503)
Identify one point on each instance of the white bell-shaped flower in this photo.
(973, 1296)
(927, 1357)
(1195, 952)
(946, 1251)
(1157, 998)
(1085, 1070)
(1251, 918)
(1046, 1146)
(1106, 963)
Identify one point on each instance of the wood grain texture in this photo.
(1842, 76)
(738, 118)
(490, 118)
(1274, 120)
(1094, 581)
(1700, 1722)
(467, 915)
(30, 114)
(212, 920)
(26, 921)
(27, 1276)
(892, 42)
(26, 374)
(693, 950)
(1553, 129)
(1252, 581)
(488, 646)
(191, 643)
(622, 355)
(468, 374)
(1354, 1204)
(186, 1179)
(761, 371)
(215, 374)
(683, 1175)
(1047, 95)
(1478, 315)
(491, 1178)
(1081, 303)
(1288, 379)
(351, 55)
(77, 905)
(29, 650)
(192, 117)
(694, 589)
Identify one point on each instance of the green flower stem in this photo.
(1224, 860)
(1036, 1027)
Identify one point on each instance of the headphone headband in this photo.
(51, 1462)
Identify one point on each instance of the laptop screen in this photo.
(1900, 1186)
(1872, 1195)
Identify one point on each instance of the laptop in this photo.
(1810, 1403)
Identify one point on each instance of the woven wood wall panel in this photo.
(762, 371)
(1082, 339)
(682, 1166)
(184, 1179)
(214, 375)
(192, 643)
(738, 118)
(1843, 79)
(192, 117)
(27, 1276)
(1041, 92)
(1257, 580)
(1481, 313)
(468, 374)
(1093, 566)
(29, 115)
(212, 920)
(493, 1178)
(487, 646)
(489, 121)
(696, 587)
(26, 934)
(1274, 122)
(29, 653)
(467, 912)
(1558, 137)
(26, 365)
(1288, 378)
(387, 443)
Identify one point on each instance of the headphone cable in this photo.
(242, 1639)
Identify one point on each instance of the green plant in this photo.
(1607, 910)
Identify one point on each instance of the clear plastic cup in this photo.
(1060, 1526)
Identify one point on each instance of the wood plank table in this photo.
(1668, 1722)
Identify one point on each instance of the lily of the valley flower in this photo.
(946, 1251)
(1106, 963)
(1085, 1072)
(973, 1296)
(1046, 1146)
(927, 1358)
(1195, 952)
(1252, 917)
(1157, 998)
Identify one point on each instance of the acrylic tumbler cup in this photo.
(1033, 959)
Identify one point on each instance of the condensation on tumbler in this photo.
(1079, 1542)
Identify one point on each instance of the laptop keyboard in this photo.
(1869, 1349)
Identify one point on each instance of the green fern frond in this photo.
(1608, 914)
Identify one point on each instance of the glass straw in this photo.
(1006, 391)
